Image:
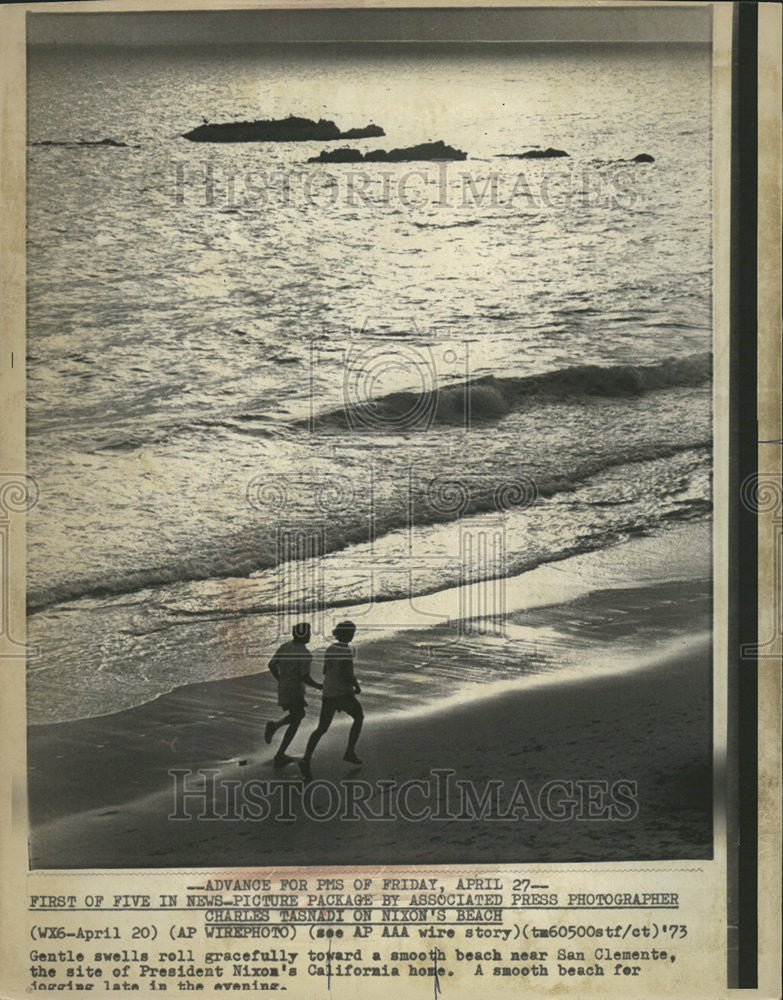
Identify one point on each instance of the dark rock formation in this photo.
(86, 142)
(643, 158)
(368, 132)
(291, 129)
(535, 154)
(408, 154)
(337, 156)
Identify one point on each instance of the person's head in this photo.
(344, 631)
(301, 632)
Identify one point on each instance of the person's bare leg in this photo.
(357, 714)
(324, 721)
(271, 727)
(281, 757)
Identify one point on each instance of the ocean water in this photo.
(260, 388)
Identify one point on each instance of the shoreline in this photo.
(101, 792)
(639, 562)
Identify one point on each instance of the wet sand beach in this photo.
(101, 791)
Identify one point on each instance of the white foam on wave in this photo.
(682, 552)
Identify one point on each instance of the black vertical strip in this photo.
(744, 441)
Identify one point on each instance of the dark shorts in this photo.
(294, 705)
(341, 703)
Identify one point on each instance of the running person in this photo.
(340, 690)
(290, 666)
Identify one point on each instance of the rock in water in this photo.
(337, 156)
(429, 151)
(643, 158)
(368, 132)
(535, 154)
(291, 129)
(114, 143)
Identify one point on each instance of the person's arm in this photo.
(348, 674)
(273, 667)
(307, 677)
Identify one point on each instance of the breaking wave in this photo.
(491, 397)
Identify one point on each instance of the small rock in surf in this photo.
(424, 151)
(535, 154)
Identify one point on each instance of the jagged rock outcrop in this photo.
(291, 129)
(429, 151)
